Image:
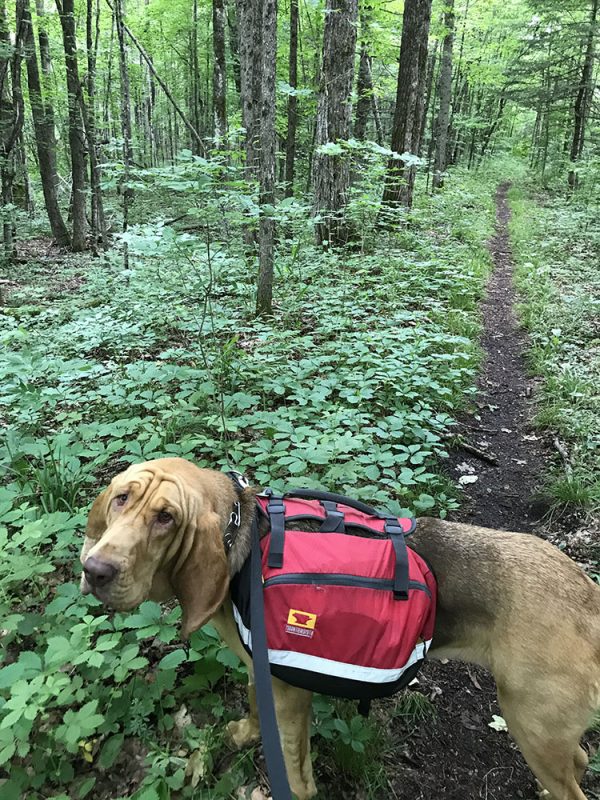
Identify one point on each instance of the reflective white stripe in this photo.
(288, 658)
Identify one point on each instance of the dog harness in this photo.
(346, 609)
(349, 608)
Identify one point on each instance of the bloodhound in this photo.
(510, 602)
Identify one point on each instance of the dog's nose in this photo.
(98, 573)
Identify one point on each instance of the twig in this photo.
(565, 455)
(470, 448)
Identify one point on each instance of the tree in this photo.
(77, 141)
(11, 120)
(125, 122)
(406, 134)
(367, 100)
(583, 100)
(43, 122)
(219, 72)
(292, 104)
(331, 169)
(443, 120)
(266, 231)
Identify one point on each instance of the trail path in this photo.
(457, 755)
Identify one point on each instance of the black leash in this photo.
(280, 787)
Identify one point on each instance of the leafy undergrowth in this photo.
(557, 248)
(351, 386)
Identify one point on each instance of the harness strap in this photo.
(280, 788)
(396, 534)
(334, 521)
(276, 511)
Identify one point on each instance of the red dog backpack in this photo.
(349, 609)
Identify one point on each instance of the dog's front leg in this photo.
(246, 731)
(293, 708)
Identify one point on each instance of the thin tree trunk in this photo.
(584, 97)
(219, 73)
(331, 171)
(89, 111)
(77, 142)
(125, 123)
(443, 120)
(44, 133)
(266, 230)
(364, 91)
(196, 97)
(292, 104)
(399, 181)
(430, 93)
(11, 121)
(234, 43)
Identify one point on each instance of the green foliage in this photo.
(556, 245)
(351, 386)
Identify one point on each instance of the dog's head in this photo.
(157, 531)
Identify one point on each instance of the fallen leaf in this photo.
(181, 718)
(465, 479)
(498, 723)
(196, 766)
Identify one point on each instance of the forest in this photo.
(344, 244)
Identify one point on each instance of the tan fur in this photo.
(508, 601)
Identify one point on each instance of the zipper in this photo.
(335, 579)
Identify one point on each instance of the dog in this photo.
(509, 602)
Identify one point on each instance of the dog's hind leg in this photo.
(549, 740)
(293, 708)
(246, 731)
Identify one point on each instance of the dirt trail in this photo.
(457, 754)
(504, 494)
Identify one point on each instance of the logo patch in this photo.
(301, 623)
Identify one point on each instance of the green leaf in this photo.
(172, 660)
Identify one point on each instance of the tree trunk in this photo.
(11, 121)
(364, 90)
(331, 171)
(292, 104)
(583, 100)
(43, 123)
(266, 231)
(399, 181)
(219, 73)
(234, 43)
(125, 123)
(443, 120)
(77, 144)
(195, 93)
(250, 16)
(89, 114)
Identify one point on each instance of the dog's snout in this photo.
(98, 573)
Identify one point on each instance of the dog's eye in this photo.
(121, 499)
(164, 517)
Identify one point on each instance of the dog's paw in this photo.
(543, 794)
(243, 732)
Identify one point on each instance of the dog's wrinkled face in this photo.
(155, 532)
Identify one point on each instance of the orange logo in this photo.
(302, 619)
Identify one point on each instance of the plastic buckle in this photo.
(236, 515)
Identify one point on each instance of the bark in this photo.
(250, 14)
(77, 142)
(125, 122)
(292, 104)
(234, 43)
(11, 121)
(364, 90)
(583, 101)
(443, 120)
(266, 231)
(43, 123)
(195, 93)
(331, 172)
(219, 73)
(89, 112)
(406, 134)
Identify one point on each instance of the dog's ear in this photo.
(96, 521)
(202, 581)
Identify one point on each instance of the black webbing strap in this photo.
(396, 533)
(276, 511)
(334, 521)
(280, 787)
(317, 494)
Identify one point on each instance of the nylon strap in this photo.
(394, 530)
(276, 511)
(334, 521)
(280, 788)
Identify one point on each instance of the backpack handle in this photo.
(317, 494)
